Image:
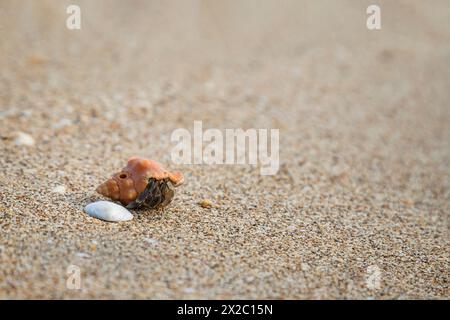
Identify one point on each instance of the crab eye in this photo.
(123, 176)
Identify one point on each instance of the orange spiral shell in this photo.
(126, 185)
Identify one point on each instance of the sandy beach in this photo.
(359, 206)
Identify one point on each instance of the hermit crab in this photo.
(142, 183)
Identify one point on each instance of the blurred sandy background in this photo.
(364, 141)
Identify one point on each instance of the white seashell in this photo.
(108, 211)
(23, 139)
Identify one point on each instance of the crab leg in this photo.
(144, 195)
(154, 198)
(168, 194)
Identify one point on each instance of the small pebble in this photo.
(59, 189)
(205, 203)
(189, 290)
(108, 211)
(23, 139)
(82, 255)
(304, 267)
(151, 241)
(291, 228)
(64, 122)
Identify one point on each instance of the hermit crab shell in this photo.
(126, 185)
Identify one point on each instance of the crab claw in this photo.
(176, 178)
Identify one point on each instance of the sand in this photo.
(359, 207)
